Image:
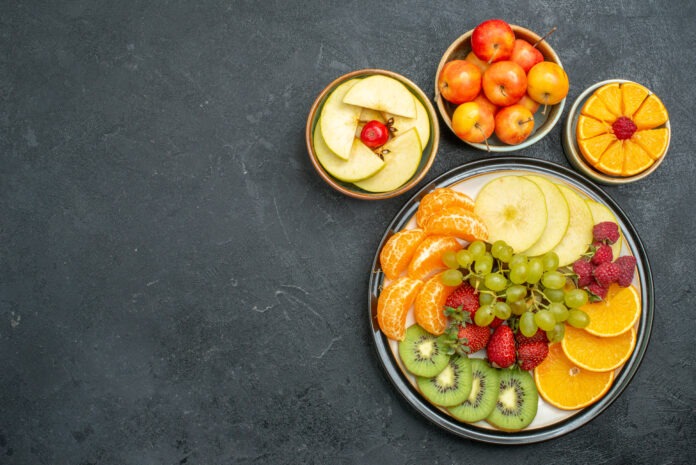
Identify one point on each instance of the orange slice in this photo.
(430, 304)
(654, 141)
(594, 353)
(439, 199)
(428, 256)
(611, 161)
(632, 95)
(393, 304)
(590, 127)
(636, 159)
(567, 386)
(651, 114)
(610, 95)
(398, 250)
(457, 222)
(593, 148)
(614, 315)
(595, 108)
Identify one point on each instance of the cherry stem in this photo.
(543, 112)
(485, 139)
(528, 120)
(553, 29)
(495, 47)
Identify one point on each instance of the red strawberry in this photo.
(597, 292)
(603, 254)
(627, 266)
(539, 336)
(606, 274)
(496, 322)
(606, 231)
(501, 347)
(583, 268)
(532, 354)
(466, 297)
(473, 337)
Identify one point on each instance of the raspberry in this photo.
(583, 268)
(627, 266)
(597, 292)
(623, 128)
(606, 273)
(606, 231)
(603, 254)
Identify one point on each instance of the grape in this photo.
(484, 315)
(502, 310)
(535, 268)
(545, 320)
(464, 258)
(518, 307)
(554, 295)
(528, 326)
(484, 264)
(452, 278)
(477, 249)
(553, 280)
(575, 298)
(557, 333)
(505, 255)
(449, 258)
(476, 282)
(578, 318)
(550, 260)
(486, 298)
(518, 259)
(518, 273)
(515, 293)
(559, 311)
(497, 247)
(495, 282)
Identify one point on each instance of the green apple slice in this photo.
(402, 155)
(558, 217)
(338, 121)
(367, 115)
(382, 93)
(514, 210)
(601, 213)
(361, 164)
(578, 237)
(421, 122)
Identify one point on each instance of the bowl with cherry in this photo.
(500, 87)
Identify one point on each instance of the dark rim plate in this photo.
(575, 420)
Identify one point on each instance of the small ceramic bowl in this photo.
(350, 189)
(575, 157)
(543, 123)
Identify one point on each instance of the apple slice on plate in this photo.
(421, 122)
(600, 213)
(578, 237)
(514, 210)
(402, 155)
(339, 120)
(382, 93)
(558, 217)
(362, 162)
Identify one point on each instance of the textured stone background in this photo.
(178, 286)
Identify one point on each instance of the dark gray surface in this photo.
(178, 286)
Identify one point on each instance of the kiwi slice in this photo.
(517, 401)
(483, 395)
(422, 353)
(451, 386)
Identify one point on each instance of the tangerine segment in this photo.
(654, 141)
(439, 199)
(614, 315)
(596, 353)
(398, 250)
(636, 159)
(428, 255)
(610, 95)
(651, 114)
(595, 108)
(458, 222)
(632, 95)
(589, 127)
(593, 148)
(430, 304)
(393, 304)
(566, 386)
(611, 161)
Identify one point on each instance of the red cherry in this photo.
(374, 134)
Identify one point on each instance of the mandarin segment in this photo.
(617, 313)
(393, 304)
(398, 250)
(428, 308)
(457, 222)
(593, 148)
(428, 256)
(636, 159)
(654, 141)
(632, 95)
(565, 385)
(595, 108)
(611, 161)
(596, 353)
(590, 127)
(440, 199)
(651, 114)
(610, 95)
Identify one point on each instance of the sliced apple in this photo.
(514, 210)
(600, 213)
(362, 162)
(338, 121)
(402, 155)
(558, 217)
(382, 93)
(578, 237)
(366, 115)
(421, 122)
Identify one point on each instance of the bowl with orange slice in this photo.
(617, 131)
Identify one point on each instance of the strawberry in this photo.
(464, 297)
(583, 268)
(606, 274)
(501, 347)
(606, 232)
(627, 266)
(529, 356)
(496, 322)
(539, 336)
(602, 254)
(596, 291)
(473, 338)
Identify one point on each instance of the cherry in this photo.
(624, 128)
(374, 134)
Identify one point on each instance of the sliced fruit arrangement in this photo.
(621, 129)
(372, 132)
(487, 312)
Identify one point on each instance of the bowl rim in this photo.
(548, 124)
(572, 151)
(359, 194)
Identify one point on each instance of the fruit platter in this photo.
(510, 301)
